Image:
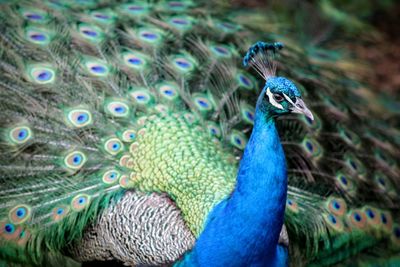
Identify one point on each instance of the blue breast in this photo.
(243, 230)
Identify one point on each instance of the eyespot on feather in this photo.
(135, 10)
(135, 60)
(315, 124)
(395, 236)
(238, 139)
(312, 148)
(106, 17)
(337, 206)
(96, 68)
(386, 221)
(354, 164)
(245, 81)
(213, 129)
(41, 73)
(183, 64)
(91, 33)
(382, 182)
(19, 214)
(38, 36)
(117, 109)
(34, 15)
(20, 134)
(168, 91)
(247, 113)
(113, 146)
(128, 135)
(60, 212)
(80, 202)
(9, 231)
(335, 223)
(152, 36)
(79, 117)
(181, 22)
(176, 6)
(348, 136)
(357, 219)
(372, 216)
(221, 51)
(227, 27)
(111, 177)
(141, 97)
(202, 103)
(345, 183)
(75, 160)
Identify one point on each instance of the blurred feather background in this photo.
(368, 29)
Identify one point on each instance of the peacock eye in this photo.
(278, 98)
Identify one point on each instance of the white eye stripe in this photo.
(288, 99)
(272, 100)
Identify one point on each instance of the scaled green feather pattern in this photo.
(179, 157)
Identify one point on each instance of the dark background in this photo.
(370, 29)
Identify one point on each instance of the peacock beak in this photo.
(301, 108)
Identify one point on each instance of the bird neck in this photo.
(244, 229)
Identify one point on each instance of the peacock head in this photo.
(279, 95)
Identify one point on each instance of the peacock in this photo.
(163, 133)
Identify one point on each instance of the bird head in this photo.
(280, 96)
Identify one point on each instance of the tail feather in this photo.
(81, 83)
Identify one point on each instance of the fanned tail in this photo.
(79, 81)
(77, 85)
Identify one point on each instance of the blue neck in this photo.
(244, 229)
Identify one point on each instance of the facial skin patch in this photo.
(272, 100)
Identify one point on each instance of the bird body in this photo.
(125, 135)
(258, 199)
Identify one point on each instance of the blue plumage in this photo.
(243, 230)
